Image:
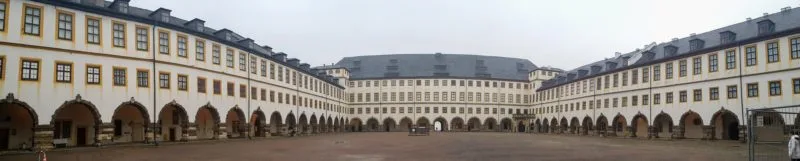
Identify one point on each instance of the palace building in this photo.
(94, 73)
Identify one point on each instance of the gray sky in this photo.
(563, 34)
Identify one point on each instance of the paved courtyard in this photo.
(399, 146)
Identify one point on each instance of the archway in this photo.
(474, 124)
(490, 124)
(442, 124)
(545, 126)
(405, 124)
(342, 124)
(130, 121)
(174, 122)
(691, 125)
(538, 126)
(506, 125)
(771, 129)
(726, 125)
(330, 125)
(336, 126)
(77, 121)
(323, 125)
(303, 124)
(586, 126)
(602, 125)
(20, 118)
(573, 125)
(372, 125)
(234, 123)
(275, 123)
(355, 125)
(314, 126)
(389, 125)
(640, 125)
(520, 126)
(553, 125)
(258, 122)
(458, 124)
(291, 124)
(207, 121)
(619, 124)
(662, 125)
(423, 122)
(563, 126)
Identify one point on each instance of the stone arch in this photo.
(691, 125)
(235, 123)
(373, 125)
(314, 124)
(602, 125)
(389, 125)
(131, 122)
(773, 126)
(342, 124)
(507, 125)
(323, 124)
(457, 124)
(276, 124)
(490, 124)
(619, 125)
(474, 124)
(662, 125)
(207, 121)
(303, 124)
(586, 125)
(23, 117)
(725, 125)
(573, 125)
(291, 123)
(639, 125)
(258, 123)
(78, 117)
(553, 125)
(423, 122)
(442, 122)
(405, 124)
(538, 126)
(355, 124)
(563, 125)
(336, 126)
(330, 125)
(174, 122)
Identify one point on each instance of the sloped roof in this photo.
(437, 66)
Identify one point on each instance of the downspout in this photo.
(650, 94)
(155, 89)
(250, 88)
(741, 83)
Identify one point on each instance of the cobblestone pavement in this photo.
(399, 146)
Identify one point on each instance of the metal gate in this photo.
(769, 131)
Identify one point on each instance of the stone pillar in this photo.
(43, 137)
(743, 133)
(185, 132)
(98, 134)
(708, 133)
(222, 131)
(613, 131)
(246, 131)
(106, 133)
(677, 133)
(652, 132)
(192, 131)
(148, 133)
(630, 131)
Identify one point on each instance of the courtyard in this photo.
(399, 146)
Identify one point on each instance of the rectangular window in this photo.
(698, 95)
(682, 68)
(182, 46)
(795, 48)
(217, 85)
(697, 66)
(752, 90)
(163, 79)
(733, 92)
(243, 92)
(634, 101)
(253, 69)
(119, 76)
(200, 50)
(645, 100)
(230, 89)
(682, 96)
(215, 54)
(264, 71)
(93, 31)
(141, 39)
(243, 61)
(634, 77)
(92, 74)
(118, 32)
(163, 42)
(668, 70)
(713, 93)
(63, 72)
(796, 85)
(3, 9)
(182, 82)
(656, 98)
(64, 26)
(712, 63)
(656, 72)
(645, 75)
(33, 20)
(229, 58)
(669, 97)
(750, 52)
(730, 59)
(772, 52)
(201, 85)
(774, 88)
(142, 78)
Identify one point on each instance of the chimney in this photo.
(196, 25)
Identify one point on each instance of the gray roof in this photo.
(787, 21)
(437, 66)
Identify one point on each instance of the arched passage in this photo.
(207, 121)
(275, 123)
(662, 125)
(691, 125)
(323, 124)
(235, 123)
(586, 126)
(538, 127)
(506, 125)
(545, 126)
(573, 125)
(291, 124)
(303, 124)
(553, 125)
(372, 125)
(442, 123)
(336, 126)
(490, 124)
(562, 128)
(174, 122)
(602, 125)
(521, 126)
(619, 124)
(423, 122)
(77, 121)
(405, 124)
(341, 124)
(457, 124)
(355, 125)
(474, 124)
(640, 125)
(258, 122)
(330, 125)
(314, 124)
(21, 118)
(389, 125)
(130, 121)
(726, 125)
(772, 128)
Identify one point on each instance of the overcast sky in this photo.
(563, 34)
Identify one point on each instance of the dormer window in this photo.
(165, 17)
(228, 37)
(670, 50)
(357, 63)
(696, 44)
(123, 7)
(520, 65)
(727, 37)
(765, 27)
(200, 27)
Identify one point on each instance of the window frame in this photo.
(166, 44)
(751, 55)
(775, 90)
(98, 75)
(124, 32)
(71, 29)
(200, 50)
(37, 69)
(4, 26)
(182, 82)
(146, 77)
(146, 37)
(99, 30)
(794, 47)
(70, 73)
(773, 55)
(115, 76)
(164, 82)
(730, 59)
(184, 49)
(25, 8)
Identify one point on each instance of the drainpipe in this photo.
(251, 95)
(741, 82)
(155, 76)
(650, 94)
